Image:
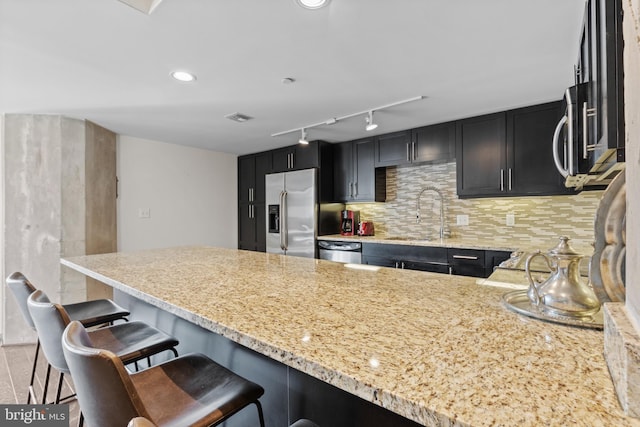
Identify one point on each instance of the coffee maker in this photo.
(349, 222)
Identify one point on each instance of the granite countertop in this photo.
(436, 349)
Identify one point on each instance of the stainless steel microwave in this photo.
(580, 156)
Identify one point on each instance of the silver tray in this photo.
(519, 302)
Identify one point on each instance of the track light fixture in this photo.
(370, 124)
(303, 138)
(369, 120)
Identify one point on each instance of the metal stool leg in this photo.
(46, 385)
(260, 415)
(32, 393)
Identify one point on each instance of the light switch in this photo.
(144, 213)
(511, 219)
(462, 219)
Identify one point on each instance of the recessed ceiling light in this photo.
(183, 76)
(313, 4)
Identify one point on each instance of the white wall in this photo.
(191, 194)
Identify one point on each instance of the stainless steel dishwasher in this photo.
(340, 251)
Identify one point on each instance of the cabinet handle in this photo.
(408, 158)
(556, 157)
(510, 180)
(450, 270)
(356, 187)
(413, 151)
(292, 160)
(471, 257)
(402, 264)
(570, 167)
(351, 190)
(501, 179)
(586, 113)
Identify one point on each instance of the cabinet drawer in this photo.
(466, 257)
(405, 252)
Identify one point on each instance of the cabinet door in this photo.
(246, 178)
(434, 143)
(607, 133)
(481, 155)
(246, 227)
(531, 170)
(393, 149)
(343, 172)
(263, 166)
(282, 159)
(364, 170)
(260, 218)
(306, 156)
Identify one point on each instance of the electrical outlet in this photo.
(144, 213)
(462, 219)
(511, 220)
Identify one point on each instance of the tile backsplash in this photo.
(538, 221)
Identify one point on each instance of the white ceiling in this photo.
(104, 61)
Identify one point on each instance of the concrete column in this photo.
(48, 185)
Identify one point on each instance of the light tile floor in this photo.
(15, 372)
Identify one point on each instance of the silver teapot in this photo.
(564, 292)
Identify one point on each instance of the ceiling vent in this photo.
(238, 117)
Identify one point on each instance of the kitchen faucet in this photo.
(441, 197)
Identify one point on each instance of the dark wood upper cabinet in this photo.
(296, 157)
(393, 149)
(425, 144)
(600, 64)
(509, 153)
(530, 166)
(481, 155)
(355, 173)
(434, 143)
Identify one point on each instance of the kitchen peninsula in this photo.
(432, 348)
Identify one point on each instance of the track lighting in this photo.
(303, 138)
(369, 120)
(333, 120)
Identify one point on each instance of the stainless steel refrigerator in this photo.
(292, 209)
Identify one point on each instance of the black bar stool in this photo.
(90, 313)
(131, 341)
(190, 390)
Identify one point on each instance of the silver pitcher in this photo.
(564, 292)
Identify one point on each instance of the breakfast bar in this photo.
(431, 349)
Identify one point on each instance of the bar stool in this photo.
(304, 423)
(90, 313)
(190, 390)
(131, 341)
(143, 422)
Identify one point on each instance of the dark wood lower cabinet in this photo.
(462, 262)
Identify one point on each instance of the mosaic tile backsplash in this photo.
(538, 220)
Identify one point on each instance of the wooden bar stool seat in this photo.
(190, 390)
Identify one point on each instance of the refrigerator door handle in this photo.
(283, 221)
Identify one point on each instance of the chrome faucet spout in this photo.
(441, 199)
